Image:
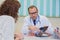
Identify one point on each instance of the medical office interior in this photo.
(48, 8)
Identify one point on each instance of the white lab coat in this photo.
(6, 27)
(41, 21)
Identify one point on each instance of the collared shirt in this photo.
(6, 27)
(41, 21)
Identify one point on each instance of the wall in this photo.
(50, 8)
(1, 1)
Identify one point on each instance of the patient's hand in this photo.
(18, 36)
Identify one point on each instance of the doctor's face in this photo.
(33, 12)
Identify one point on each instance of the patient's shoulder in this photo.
(5, 17)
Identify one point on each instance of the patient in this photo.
(8, 18)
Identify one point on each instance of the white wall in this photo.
(1, 1)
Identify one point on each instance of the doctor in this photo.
(34, 21)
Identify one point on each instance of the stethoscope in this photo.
(38, 19)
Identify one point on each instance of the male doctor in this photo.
(34, 22)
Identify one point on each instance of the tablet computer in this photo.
(43, 29)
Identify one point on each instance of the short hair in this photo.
(32, 7)
(10, 7)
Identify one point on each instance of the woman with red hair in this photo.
(8, 18)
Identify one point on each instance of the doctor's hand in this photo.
(48, 34)
(33, 28)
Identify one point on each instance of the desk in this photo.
(39, 38)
